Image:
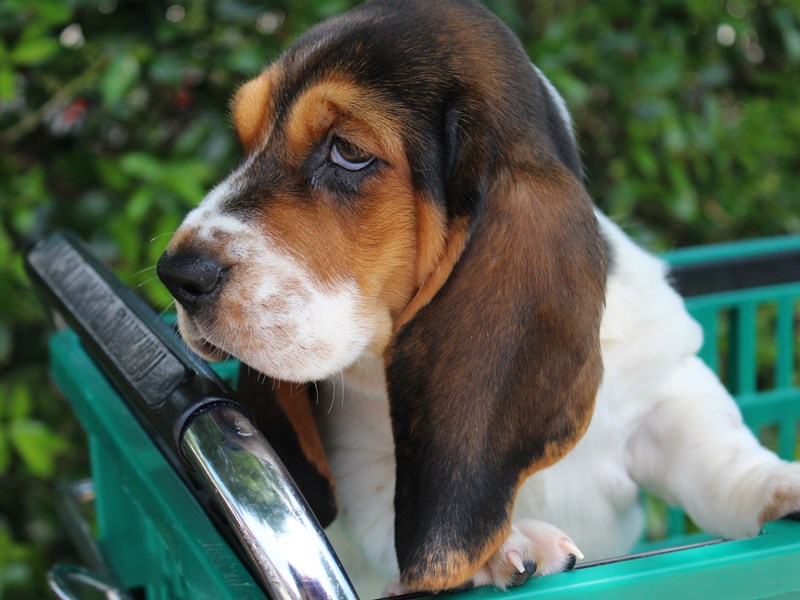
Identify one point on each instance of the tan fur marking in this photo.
(437, 274)
(457, 569)
(337, 101)
(250, 110)
(295, 402)
(377, 249)
(184, 237)
(781, 505)
(432, 231)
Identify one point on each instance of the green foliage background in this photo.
(113, 122)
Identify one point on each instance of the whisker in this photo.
(144, 270)
(160, 235)
(249, 332)
(146, 281)
(166, 310)
(333, 395)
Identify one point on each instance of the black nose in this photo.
(194, 279)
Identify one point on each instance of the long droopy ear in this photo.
(495, 377)
(283, 414)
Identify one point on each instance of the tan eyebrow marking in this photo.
(251, 109)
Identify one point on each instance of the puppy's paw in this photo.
(395, 588)
(533, 548)
(784, 498)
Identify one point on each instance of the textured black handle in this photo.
(163, 382)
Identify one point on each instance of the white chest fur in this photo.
(353, 420)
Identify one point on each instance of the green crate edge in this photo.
(761, 567)
(731, 250)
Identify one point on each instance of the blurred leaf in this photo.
(248, 60)
(8, 84)
(14, 559)
(189, 179)
(37, 445)
(787, 22)
(141, 166)
(646, 161)
(111, 174)
(19, 404)
(6, 344)
(31, 51)
(5, 452)
(53, 12)
(138, 204)
(121, 74)
(167, 68)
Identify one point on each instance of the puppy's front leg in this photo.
(694, 450)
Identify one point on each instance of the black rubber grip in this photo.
(163, 382)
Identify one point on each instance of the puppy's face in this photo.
(315, 237)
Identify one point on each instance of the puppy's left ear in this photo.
(249, 110)
(495, 377)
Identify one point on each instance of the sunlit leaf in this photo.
(53, 12)
(121, 74)
(5, 451)
(139, 203)
(142, 166)
(19, 403)
(37, 445)
(8, 84)
(35, 50)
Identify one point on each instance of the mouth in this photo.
(198, 343)
(211, 352)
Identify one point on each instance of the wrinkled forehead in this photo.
(263, 111)
(401, 53)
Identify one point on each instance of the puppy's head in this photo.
(411, 186)
(308, 253)
(348, 196)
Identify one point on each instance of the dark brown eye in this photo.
(349, 156)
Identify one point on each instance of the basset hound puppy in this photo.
(435, 320)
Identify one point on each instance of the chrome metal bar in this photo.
(71, 582)
(75, 497)
(285, 543)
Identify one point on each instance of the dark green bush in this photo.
(113, 122)
(688, 111)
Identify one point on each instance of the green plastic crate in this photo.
(152, 532)
(161, 545)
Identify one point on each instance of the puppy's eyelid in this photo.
(348, 156)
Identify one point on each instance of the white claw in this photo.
(515, 559)
(569, 546)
